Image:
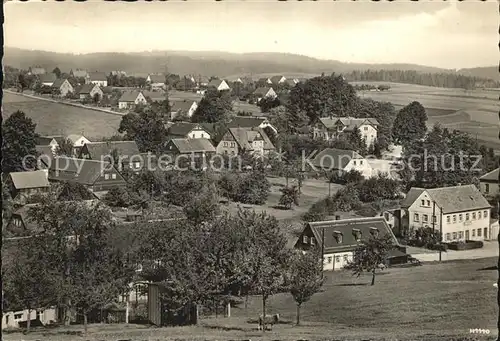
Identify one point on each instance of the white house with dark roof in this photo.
(189, 130)
(330, 159)
(328, 128)
(64, 86)
(340, 238)
(187, 107)
(47, 79)
(489, 183)
(264, 92)
(156, 81)
(27, 184)
(239, 140)
(89, 90)
(277, 80)
(78, 141)
(131, 98)
(462, 210)
(219, 84)
(98, 78)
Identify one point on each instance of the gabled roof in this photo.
(98, 150)
(490, 176)
(450, 199)
(74, 137)
(85, 89)
(67, 169)
(348, 122)
(183, 105)
(129, 96)
(34, 179)
(45, 154)
(184, 128)
(58, 83)
(24, 213)
(193, 145)
(48, 78)
(155, 96)
(276, 79)
(245, 122)
(245, 136)
(215, 82)
(106, 89)
(262, 91)
(291, 82)
(334, 158)
(264, 80)
(44, 140)
(97, 76)
(345, 227)
(157, 78)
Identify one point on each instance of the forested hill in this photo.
(442, 79)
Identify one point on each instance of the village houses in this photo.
(64, 87)
(264, 92)
(278, 80)
(189, 151)
(462, 212)
(340, 238)
(182, 106)
(190, 130)
(489, 183)
(78, 141)
(343, 161)
(157, 82)
(51, 141)
(328, 128)
(238, 140)
(219, 85)
(130, 99)
(98, 78)
(89, 91)
(251, 122)
(127, 153)
(47, 79)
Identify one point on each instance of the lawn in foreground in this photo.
(431, 302)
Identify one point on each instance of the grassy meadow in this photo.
(436, 301)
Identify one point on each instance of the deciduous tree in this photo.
(214, 107)
(18, 142)
(410, 124)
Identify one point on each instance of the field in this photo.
(431, 302)
(59, 119)
(471, 111)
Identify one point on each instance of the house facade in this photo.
(462, 212)
(265, 92)
(64, 86)
(127, 152)
(78, 142)
(185, 152)
(47, 79)
(185, 106)
(489, 183)
(51, 141)
(342, 160)
(14, 319)
(89, 90)
(277, 80)
(98, 78)
(251, 123)
(27, 184)
(238, 140)
(328, 128)
(219, 85)
(130, 99)
(340, 238)
(189, 131)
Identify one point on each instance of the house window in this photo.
(460, 217)
(202, 136)
(479, 232)
(345, 258)
(473, 232)
(338, 237)
(428, 203)
(485, 235)
(366, 128)
(305, 239)
(423, 202)
(137, 164)
(487, 188)
(360, 162)
(329, 260)
(485, 214)
(454, 235)
(460, 234)
(434, 219)
(386, 216)
(313, 241)
(40, 315)
(454, 218)
(113, 176)
(425, 218)
(415, 217)
(18, 316)
(106, 176)
(467, 216)
(479, 215)
(473, 215)
(226, 144)
(448, 219)
(233, 144)
(337, 259)
(447, 236)
(374, 231)
(354, 162)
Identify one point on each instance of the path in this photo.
(107, 111)
(490, 249)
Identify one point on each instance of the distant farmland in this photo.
(55, 119)
(471, 111)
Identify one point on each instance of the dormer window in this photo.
(374, 231)
(313, 241)
(338, 236)
(305, 239)
(357, 234)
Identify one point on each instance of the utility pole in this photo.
(440, 232)
(433, 217)
(322, 252)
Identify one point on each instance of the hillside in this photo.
(186, 62)
(491, 72)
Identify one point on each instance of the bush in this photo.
(467, 245)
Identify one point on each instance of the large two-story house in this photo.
(331, 159)
(462, 212)
(238, 140)
(339, 239)
(126, 153)
(328, 128)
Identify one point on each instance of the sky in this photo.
(442, 34)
